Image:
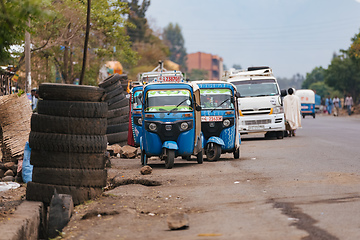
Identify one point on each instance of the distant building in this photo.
(205, 61)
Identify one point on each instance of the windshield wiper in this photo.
(220, 104)
(178, 105)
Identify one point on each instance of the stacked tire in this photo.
(68, 143)
(118, 108)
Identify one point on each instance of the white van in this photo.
(260, 102)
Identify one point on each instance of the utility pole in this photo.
(86, 42)
(27, 61)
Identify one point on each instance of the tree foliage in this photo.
(58, 40)
(175, 41)
(14, 18)
(316, 75)
(198, 74)
(138, 27)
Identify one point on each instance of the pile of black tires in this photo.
(118, 104)
(68, 143)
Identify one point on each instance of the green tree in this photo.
(138, 27)
(198, 74)
(237, 66)
(174, 40)
(316, 75)
(343, 75)
(14, 17)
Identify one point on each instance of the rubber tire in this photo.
(68, 125)
(110, 80)
(236, 153)
(303, 116)
(117, 128)
(216, 152)
(118, 112)
(117, 120)
(44, 192)
(70, 177)
(70, 92)
(200, 157)
(113, 86)
(122, 103)
(117, 137)
(73, 109)
(67, 143)
(115, 99)
(279, 134)
(113, 93)
(169, 160)
(143, 158)
(67, 160)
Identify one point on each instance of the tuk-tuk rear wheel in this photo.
(236, 153)
(213, 152)
(169, 160)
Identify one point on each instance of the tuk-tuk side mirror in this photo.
(237, 94)
(198, 108)
(283, 93)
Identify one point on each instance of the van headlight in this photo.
(140, 121)
(184, 126)
(152, 127)
(277, 110)
(226, 122)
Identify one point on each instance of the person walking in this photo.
(348, 103)
(337, 105)
(329, 105)
(292, 108)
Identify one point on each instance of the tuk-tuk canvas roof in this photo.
(306, 95)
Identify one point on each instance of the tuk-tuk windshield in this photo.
(257, 88)
(216, 98)
(137, 102)
(174, 100)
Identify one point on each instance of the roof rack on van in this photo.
(252, 72)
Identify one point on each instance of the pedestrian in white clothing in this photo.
(348, 103)
(292, 108)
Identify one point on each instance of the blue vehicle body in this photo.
(219, 118)
(136, 119)
(170, 122)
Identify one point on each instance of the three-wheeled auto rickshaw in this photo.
(219, 116)
(307, 99)
(135, 111)
(171, 120)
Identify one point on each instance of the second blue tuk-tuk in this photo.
(135, 111)
(307, 99)
(219, 116)
(171, 121)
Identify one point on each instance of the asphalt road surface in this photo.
(303, 187)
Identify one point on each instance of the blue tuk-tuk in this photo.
(135, 111)
(171, 121)
(219, 115)
(307, 99)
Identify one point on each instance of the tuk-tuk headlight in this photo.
(184, 126)
(140, 121)
(226, 122)
(152, 126)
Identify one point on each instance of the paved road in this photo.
(303, 187)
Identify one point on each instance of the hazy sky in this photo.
(290, 36)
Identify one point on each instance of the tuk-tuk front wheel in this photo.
(213, 151)
(143, 158)
(169, 159)
(236, 153)
(199, 157)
